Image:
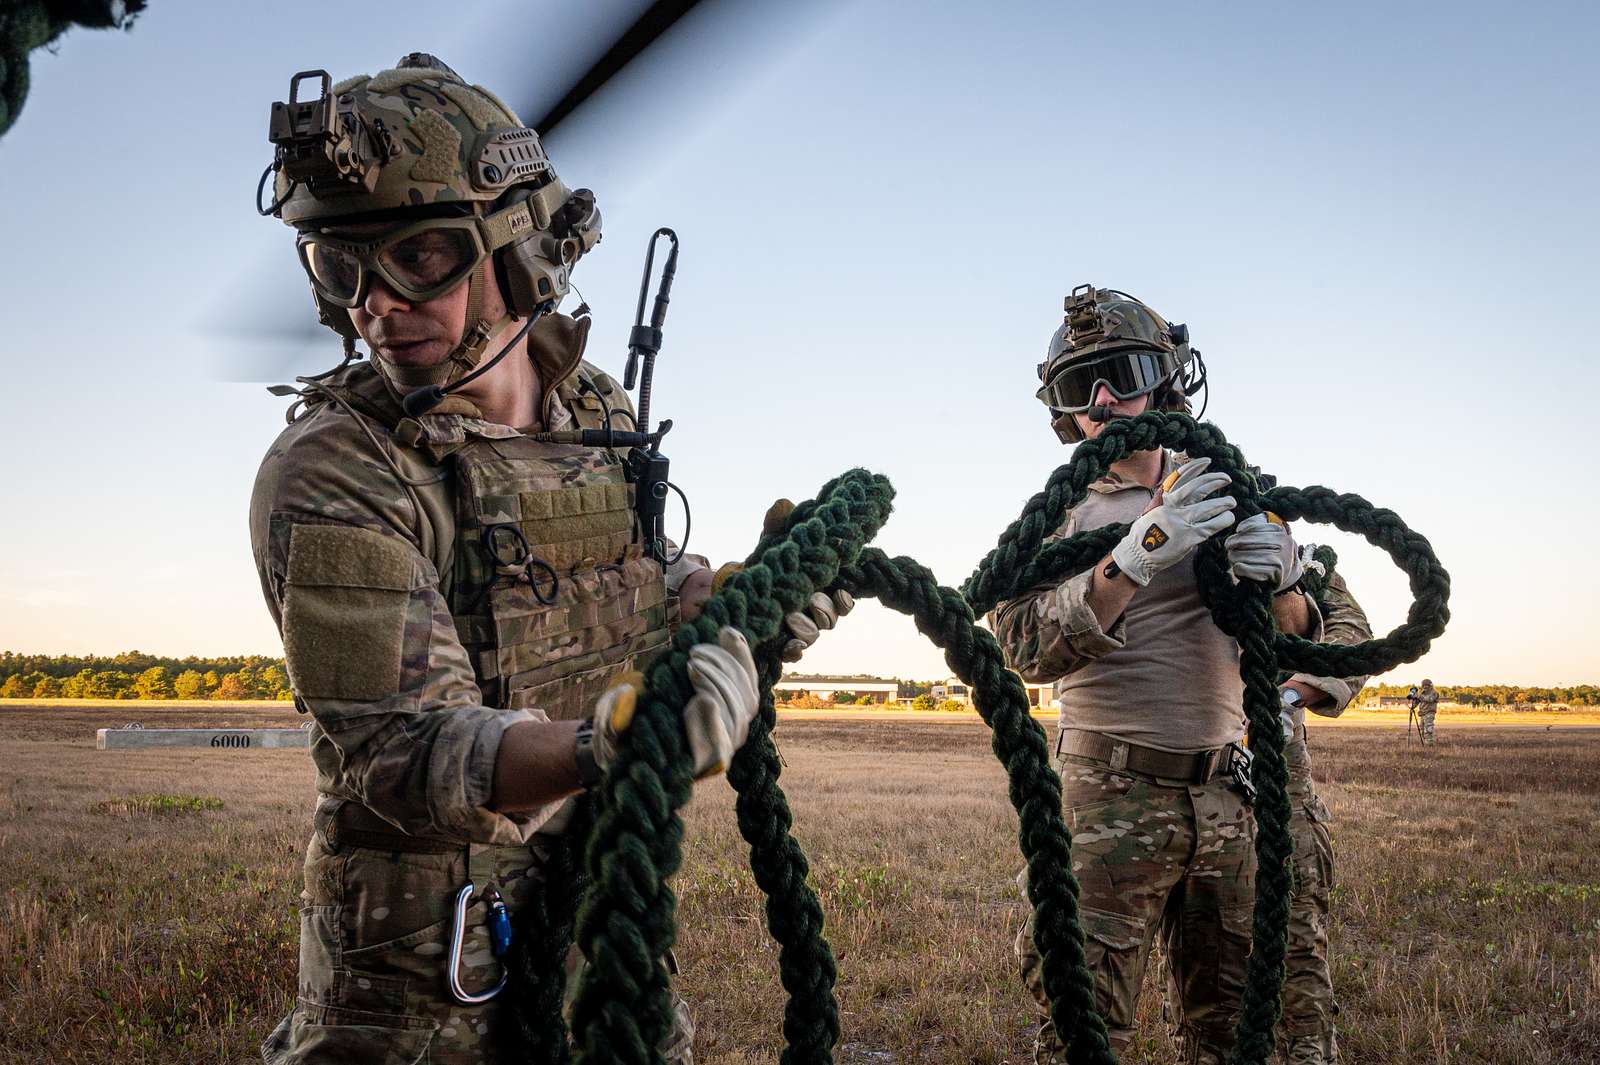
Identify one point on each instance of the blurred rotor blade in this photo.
(656, 20)
(267, 314)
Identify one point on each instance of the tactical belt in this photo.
(1194, 767)
(353, 825)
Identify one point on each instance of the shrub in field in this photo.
(156, 805)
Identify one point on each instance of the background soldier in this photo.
(1426, 701)
(458, 602)
(1151, 699)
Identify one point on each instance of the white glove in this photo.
(1164, 535)
(1263, 550)
(717, 716)
(1309, 562)
(1289, 714)
(822, 612)
(725, 700)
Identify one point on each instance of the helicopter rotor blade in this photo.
(267, 310)
(656, 20)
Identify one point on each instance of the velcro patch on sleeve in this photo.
(344, 613)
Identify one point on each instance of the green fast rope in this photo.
(29, 24)
(625, 924)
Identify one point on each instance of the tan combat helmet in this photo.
(458, 178)
(1112, 338)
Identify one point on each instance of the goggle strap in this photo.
(502, 227)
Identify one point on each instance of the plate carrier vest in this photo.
(549, 586)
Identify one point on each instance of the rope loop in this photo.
(625, 921)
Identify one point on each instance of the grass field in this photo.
(149, 896)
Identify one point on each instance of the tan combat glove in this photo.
(717, 716)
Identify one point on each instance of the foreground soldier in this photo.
(457, 600)
(1151, 699)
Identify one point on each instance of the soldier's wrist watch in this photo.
(589, 772)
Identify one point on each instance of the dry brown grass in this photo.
(142, 924)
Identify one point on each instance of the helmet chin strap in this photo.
(423, 387)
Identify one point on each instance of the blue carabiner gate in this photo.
(499, 924)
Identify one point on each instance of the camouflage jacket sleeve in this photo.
(1344, 623)
(1051, 631)
(370, 644)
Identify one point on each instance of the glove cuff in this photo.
(1133, 561)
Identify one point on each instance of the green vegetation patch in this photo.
(156, 805)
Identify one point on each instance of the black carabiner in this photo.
(533, 562)
(497, 539)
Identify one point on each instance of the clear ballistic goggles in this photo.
(418, 262)
(1126, 373)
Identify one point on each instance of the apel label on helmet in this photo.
(521, 221)
(1154, 537)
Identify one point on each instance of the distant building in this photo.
(1040, 696)
(875, 689)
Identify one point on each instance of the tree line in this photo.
(1492, 694)
(134, 675)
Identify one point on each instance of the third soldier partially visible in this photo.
(1306, 1033)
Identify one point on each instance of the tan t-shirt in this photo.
(1163, 676)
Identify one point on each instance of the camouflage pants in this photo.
(1306, 1033)
(1425, 726)
(374, 942)
(1156, 857)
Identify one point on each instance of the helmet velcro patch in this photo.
(477, 106)
(441, 147)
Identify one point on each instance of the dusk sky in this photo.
(1377, 220)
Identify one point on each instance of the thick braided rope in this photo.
(1019, 743)
(542, 935)
(29, 24)
(625, 925)
(621, 1013)
(1243, 610)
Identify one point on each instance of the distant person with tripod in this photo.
(1425, 704)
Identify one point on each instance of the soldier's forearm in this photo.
(1310, 697)
(536, 765)
(1109, 596)
(1292, 612)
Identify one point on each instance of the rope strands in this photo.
(29, 24)
(625, 924)
(625, 921)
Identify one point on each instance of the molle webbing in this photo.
(551, 629)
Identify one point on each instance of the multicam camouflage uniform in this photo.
(1427, 710)
(1166, 850)
(414, 649)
